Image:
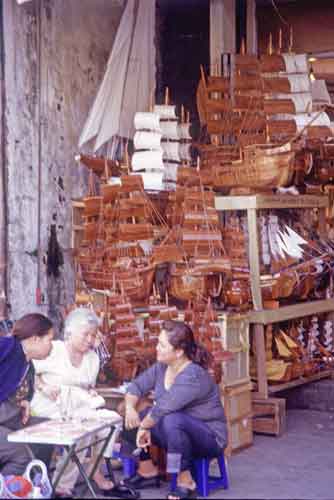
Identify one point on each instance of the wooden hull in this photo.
(99, 165)
(136, 283)
(202, 280)
(259, 169)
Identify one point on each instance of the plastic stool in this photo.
(204, 482)
(129, 464)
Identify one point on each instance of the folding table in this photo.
(69, 434)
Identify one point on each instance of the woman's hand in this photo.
(51, 391)
(132, 419)
(143, 438)
(25, 405)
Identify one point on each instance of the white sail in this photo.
(295, 63)
(184, 131)
(170, 173)
(291, 245)
(147, 140)
(184, 151)
(165, 111)
(171, 150)
(129, 80)
(303, 119)
(170, 130)
(299, 83)
(153, 181)
(320, 94)
(143, 160)
(147, 121)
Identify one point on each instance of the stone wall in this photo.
(55, 52)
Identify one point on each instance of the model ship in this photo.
(120, 232)
(255, 115)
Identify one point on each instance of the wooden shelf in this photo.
(285, 313)
(261, 201)
(272, 389)
(260, 317)
(78, 204)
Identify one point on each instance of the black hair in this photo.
(181, 336)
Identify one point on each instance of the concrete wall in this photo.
(55, 53)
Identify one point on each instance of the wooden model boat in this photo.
(119, 236)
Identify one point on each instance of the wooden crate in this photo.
(237, 401)
(269, 416)
(240, 434)
(234, 330)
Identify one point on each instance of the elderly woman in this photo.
(30, 340)
(66, 379)
(187, 418)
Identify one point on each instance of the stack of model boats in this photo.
(260, 128)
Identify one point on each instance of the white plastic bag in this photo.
(41, 484)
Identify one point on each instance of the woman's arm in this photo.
(132, 419)
(144, 383)
(136, 390)
(50, 391)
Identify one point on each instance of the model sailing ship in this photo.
(256, 114)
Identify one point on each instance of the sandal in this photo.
(140, 482)
(180, 492)
(121, 490)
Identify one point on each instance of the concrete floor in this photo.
(298, 465)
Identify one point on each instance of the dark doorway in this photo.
(183, 28)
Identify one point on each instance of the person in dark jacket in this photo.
(187, 418)
(31, 339)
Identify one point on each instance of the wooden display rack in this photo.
(259, 316)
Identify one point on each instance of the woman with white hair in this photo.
(65, 382)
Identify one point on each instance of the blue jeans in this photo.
(183, 437)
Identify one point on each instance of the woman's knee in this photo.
(173, 420)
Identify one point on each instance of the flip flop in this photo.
(122, 491)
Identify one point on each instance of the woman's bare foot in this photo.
(102, 482)
(185, 480)
(64, 492)
(147, 469)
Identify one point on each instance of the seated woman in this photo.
(30, 340)
(187, 418)
(68, 376)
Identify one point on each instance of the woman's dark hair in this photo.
(31, 325)
(181, 336)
